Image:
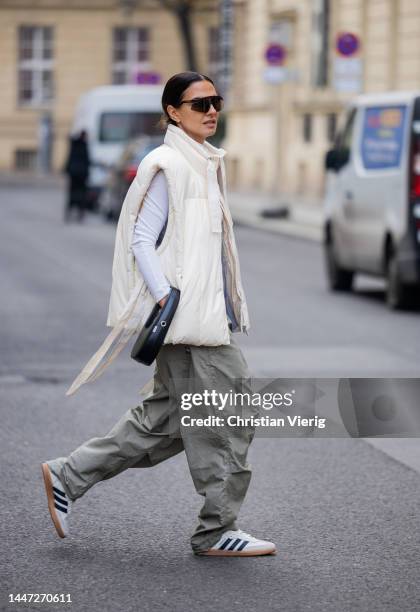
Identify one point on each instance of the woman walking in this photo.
(175, 229)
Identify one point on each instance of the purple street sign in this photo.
(275, 54)
(147, 78)
(347, 44)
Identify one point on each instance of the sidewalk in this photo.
(304, 219)
(15, 178)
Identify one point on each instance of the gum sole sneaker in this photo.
(240, 544)
(59, 504)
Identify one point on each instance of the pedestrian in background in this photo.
(176, 224)
(77, 170)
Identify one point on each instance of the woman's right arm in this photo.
(150, 222)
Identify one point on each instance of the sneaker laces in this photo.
(245, 535)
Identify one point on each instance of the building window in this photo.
(213, 38)
(130, 54)
(307, 127)
(331, 120)
(320, 42)
(35, 65)
(25, 159)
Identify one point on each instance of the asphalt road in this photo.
(344, 515)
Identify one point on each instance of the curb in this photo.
(289, 228)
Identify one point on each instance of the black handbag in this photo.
(152, 335)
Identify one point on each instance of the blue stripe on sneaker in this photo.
(242, 546)
(236, 542)
(60, 501)
(225, 543)
(59, 492)
(61, 508)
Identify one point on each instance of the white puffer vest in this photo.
(198, 238)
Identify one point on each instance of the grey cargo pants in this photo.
(152, 432)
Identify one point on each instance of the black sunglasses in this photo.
(202, 105)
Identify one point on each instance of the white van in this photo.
(372, 202)
(113, 115)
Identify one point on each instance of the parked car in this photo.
(123, 173)
(372, 202)
(113, 115)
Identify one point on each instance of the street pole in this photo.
(225, 67)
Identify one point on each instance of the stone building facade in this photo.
(279, 132)
(52, 51)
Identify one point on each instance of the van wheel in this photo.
(339, 279)
(398, 295)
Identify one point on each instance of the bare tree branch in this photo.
(182, 10)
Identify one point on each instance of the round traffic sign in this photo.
(275, 54)
(347, 44)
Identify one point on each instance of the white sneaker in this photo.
(59, 504)
(240, 544)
